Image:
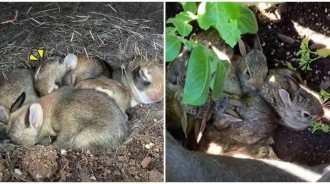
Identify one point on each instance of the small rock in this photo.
(63, 152)
(38, 176)
(155, 176)
(149, 146)
(116, 173)
(122, 159)
(145, 162)
(18, 172)
(93, 177)
(131, 162)
(155, 120)
(1, 176)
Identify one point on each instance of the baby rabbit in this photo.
(70, 71)
(297, 105)
(85, 119)
(144, 78)
(243, 116)
(246, 73)
(12, 84)
(111, 87)
(246, 121)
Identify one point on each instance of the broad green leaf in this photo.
(184, 28)
(173, 46)
(203, 19)
(169, 29)
(189, 44)
(232, 9)
(185, 16)
(323, 52)
(219, 79)
(170, 20)
(197, 83)
(228, 30)
(189, 6)
(214, 66)
(247, 22)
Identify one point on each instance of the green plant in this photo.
(205, 70)
(324, 95)
(319, 126)
(305, 54)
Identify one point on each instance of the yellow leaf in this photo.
(323, 52)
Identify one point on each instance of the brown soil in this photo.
(303, 147)
(140, 158)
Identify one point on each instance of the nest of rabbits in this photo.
(61, 28)
(114, 32)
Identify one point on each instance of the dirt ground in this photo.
(140, 158)
(302, 147)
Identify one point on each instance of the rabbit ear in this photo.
(36, 116)
(257, 44)
(70, 61)
(18, 103)
(241, 46)
(293, 83)
(4, 114)
(285, 96)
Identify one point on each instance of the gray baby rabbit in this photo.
(56, 72)
(246, 73)
(297, 105)
(85, 119)
(246, 121)
(12, 84)
(144, 78)
(111, 87)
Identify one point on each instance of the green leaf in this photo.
(319, 126)
(219, 79)
(198, 77)
(203, 18)
(324, 95)
(228, 30)
(173, 46)
(189, 6)
(232, 9)
(184, 28)
(185, 16)
(169, 29)
(247, 22)
(323, 52)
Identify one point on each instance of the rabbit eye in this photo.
(306, 115)
(143, 76)
(247, 72)
(26, 119)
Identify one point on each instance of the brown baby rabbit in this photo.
(85, 119)
(111, 87)
(297, 105)
(243, 116)
(246, 121)
(12, 84)
(68, 71)
(246, 73)
(144, 78)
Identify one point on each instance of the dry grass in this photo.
(60, 29)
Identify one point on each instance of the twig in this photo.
(12, 20)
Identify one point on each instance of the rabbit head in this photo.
(49, 75)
